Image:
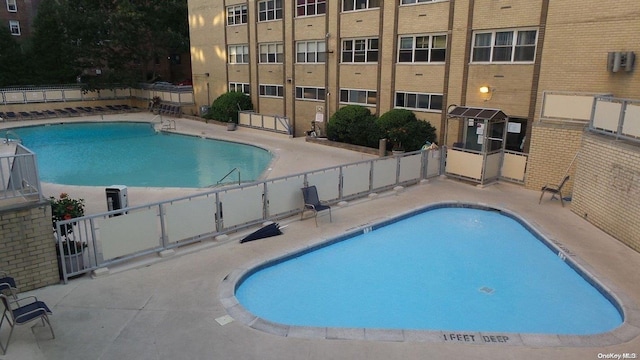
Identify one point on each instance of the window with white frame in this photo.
(418, 101)
(271, 53)
(351, 5)
(272, 90)
(239, 87)
(238, 54)
(359, 50)
(269, 10)
(405, 2)
(12, 6)
(14, 27)
(311, 7)
(236, 14)
(504, 46)
(311, 51)
(310, 93)
(422, 48)
(354, 96)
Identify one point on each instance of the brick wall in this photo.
(27, 250)
(553, 147)
(607, 187)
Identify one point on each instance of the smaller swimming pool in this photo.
(135, 154)
(449, 269)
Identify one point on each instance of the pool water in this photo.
(134, 154)
(447, 269)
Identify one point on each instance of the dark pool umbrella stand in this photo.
(266, 231)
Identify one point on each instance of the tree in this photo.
(405, 131)
(11, 59)
(226, 106)
(353, 124)
(122, 38)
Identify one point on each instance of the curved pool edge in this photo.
(74, 120)
(629, 311)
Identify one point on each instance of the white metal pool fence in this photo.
(122, 235)
(18, 172)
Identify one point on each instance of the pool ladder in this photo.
(226, 176)
(10, 136)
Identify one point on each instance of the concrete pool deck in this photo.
(170, 308)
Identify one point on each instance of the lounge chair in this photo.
(50, 113)
(21, 312)
(8, 285)
(83, 110)
(62, 112)
(72, 111)
(37, 114)
(10, 115)
(554, 190)
(25, 115)
(312, 202)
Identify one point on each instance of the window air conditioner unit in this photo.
(621, 60)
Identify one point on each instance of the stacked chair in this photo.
(19, 311)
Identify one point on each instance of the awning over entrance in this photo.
(477, 113)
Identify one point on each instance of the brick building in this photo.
(300, 58)
(18, 15)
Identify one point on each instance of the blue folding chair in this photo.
(8, 284)
(21, 312)
(312, 203)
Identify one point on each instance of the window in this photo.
(14, 27)
(423, 48)
(236, 15)
(419, 101)
(238, 54)
(272, 90)
(269, 10)
(366, 97)
(351, 5)
(360, 50)
(12, 6)
(239, 87)
(405, 2)
(504, 46)
(310, 93)
(311, 52)
(311, 7)
(271, 53)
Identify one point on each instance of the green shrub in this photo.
(353, 124)
(404, 130)
(226, 106)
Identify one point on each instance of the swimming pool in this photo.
(134, 154)
(459, 271)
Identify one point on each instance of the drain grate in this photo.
(486, 290)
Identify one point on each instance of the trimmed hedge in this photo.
(226, 106)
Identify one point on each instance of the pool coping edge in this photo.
(628, 330)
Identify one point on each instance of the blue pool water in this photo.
(447, 269)
(134, 154)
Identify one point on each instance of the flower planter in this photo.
(74, 262)
(231, 126)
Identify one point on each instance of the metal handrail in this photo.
(229, 173)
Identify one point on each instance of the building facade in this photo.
(300, 58)
(18, 15)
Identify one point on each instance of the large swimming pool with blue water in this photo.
(135, 154)
(454, 269)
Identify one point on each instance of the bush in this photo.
(404, 130)
(353, 124)
(225, 108)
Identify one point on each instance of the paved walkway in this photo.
(167, 308)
